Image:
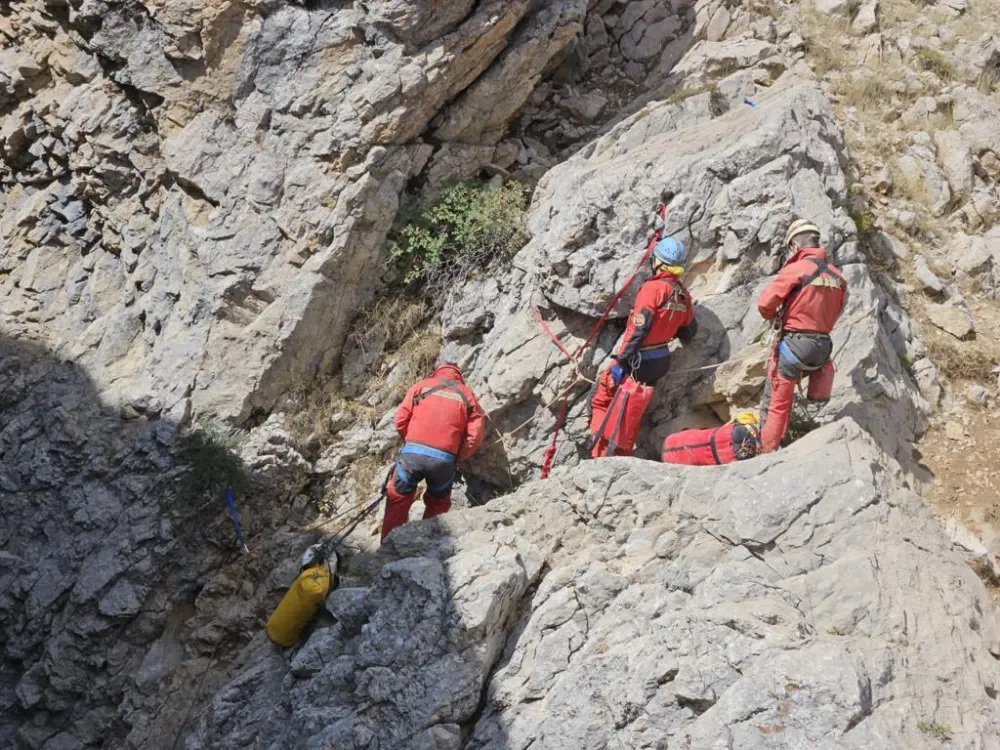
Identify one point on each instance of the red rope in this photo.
(550, 452)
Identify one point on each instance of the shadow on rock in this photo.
(401, 658)
(84, 544)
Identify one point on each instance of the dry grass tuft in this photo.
(316, 412)
(933, 61)
(965, 361)
(390, 322)
(867, 93)
(905, 186)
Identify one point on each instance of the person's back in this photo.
(436, 412)
(807, 297)
(441, 423)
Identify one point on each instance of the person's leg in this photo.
(782, 378)
(765, 399)
(604, 394)
(821, 384)
(437, 497)
(400, 492)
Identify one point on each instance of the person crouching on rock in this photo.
(663, 310)
(441, 423)
(737, 440)
(805, 300)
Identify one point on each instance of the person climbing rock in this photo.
(441, 424)
(737, 440)
(804, 302)
(663, 310)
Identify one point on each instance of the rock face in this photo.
(650, 606)
(738, 180)
(206, 188)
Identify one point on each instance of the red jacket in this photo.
(812, 290)
(449, 419)
(662, 310)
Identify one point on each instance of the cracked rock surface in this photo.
(626, 602)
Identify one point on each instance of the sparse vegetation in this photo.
(392, 338)
(835, 630)
(389, 323)
(468, 228)
(718, 104)
(209, 463)
(933, 61)
(940, 731)
(866, 92)
(967, 361)
(800, 424)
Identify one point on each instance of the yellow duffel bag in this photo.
(298, 606)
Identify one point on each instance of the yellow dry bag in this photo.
(298, 606)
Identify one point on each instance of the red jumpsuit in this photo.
(662, 311)
(811, 293)
(441, 423)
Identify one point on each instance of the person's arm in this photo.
(639, 322)
(404, 412)
(690, 328)
(475, 429)
(777, 291)
(843, 300)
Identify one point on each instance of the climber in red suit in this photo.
(805, 299)
(663, 310)
(441, 423)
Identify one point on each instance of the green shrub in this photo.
(470, 227)
(718, 104)
(209, 463)
(800, 424)
(935, 62)
(940, 731)
(864, 221)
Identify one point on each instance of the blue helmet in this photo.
(670, 252)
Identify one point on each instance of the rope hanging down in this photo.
(550, 452)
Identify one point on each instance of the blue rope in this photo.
(236, 520)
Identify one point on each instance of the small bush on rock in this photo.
(209, 462)
(469, 227)
(935, 62)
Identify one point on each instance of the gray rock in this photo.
(838, 8)
(923, 179)
(674, 606)
(586, 107)
(952, 318)
(717, 26)
(737, 187)
(926, 276)
(977, 395)
(866, 19)
(956, 161)
(954, 7)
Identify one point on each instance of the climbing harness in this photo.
(235, 516)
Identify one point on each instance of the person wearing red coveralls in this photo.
(663, 310)
(441, 423)
(806, 298)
